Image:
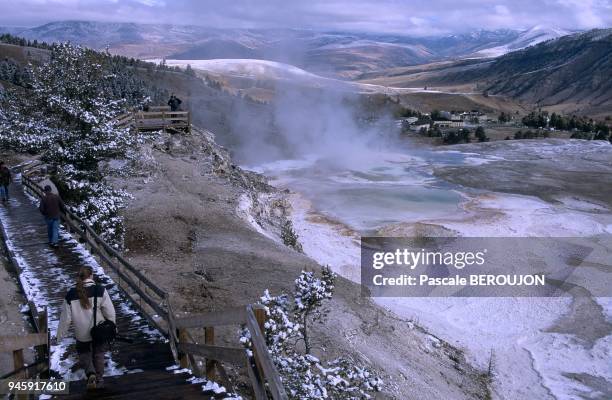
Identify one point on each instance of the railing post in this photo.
(18, 363)
(260, 316)
(260, 350)
(183, 358)
(84, 235)
(42, 351)
(209, 338)
(171, 328)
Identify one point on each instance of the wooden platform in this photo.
(156, 118)
(46, 275)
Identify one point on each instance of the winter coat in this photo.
(5, 176)
(82, 318)
(174, 103)
(50, 205)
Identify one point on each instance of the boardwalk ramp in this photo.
(137, 366)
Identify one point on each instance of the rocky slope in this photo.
(187, 228)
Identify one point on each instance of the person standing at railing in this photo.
(174, 103)
(5, 181)
(51, 207)
(79, 306)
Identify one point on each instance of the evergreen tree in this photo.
(310, 292)
(189, 71)
(306, 377)
(69, 117)
(481, 135)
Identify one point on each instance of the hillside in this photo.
(569, 74)
(530, 37)
(573, 71)
(340, 54)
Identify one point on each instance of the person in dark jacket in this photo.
(5, 180)
(50, 207)
(174, 103)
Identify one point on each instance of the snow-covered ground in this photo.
(247, 68)
(531, 37)
(272, 70)
(530, 360)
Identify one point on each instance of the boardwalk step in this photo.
(147, 385)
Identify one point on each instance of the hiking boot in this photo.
(100, 383)
(91, 382)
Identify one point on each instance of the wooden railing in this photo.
(156, 118)
(16, 344)
(125, 120)
(260, 367)
(154, 303)
(158, 108)
(147, 296)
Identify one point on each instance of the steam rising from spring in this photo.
(323, 122)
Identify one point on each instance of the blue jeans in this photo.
(3, 192)
(53, 230)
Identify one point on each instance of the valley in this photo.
(306, 140)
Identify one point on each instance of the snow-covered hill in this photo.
(530, 37)
(248, 68)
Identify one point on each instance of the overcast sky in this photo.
(420, 17)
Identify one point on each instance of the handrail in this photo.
(156, 117)
(160, 113)
(263, 357)
(260, 367)
(40, 339)
(108, 248)
(16, 342)
(106, 252)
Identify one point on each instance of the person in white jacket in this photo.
(78, 310)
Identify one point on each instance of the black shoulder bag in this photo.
(107, 330)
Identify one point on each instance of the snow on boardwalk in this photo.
(46, 274)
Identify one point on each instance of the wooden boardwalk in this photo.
(46, 274)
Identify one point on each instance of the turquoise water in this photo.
(374, 189)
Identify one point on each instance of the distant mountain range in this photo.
(345, 54)
(570, 73)
(574, 69)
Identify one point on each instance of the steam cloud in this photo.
(303, 122)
